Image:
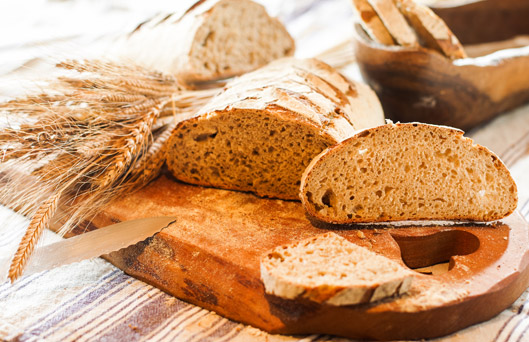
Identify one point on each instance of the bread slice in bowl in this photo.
(371, 22)
(213, 39)
(263, 130)
(329, 269)
(395, 22)
(409, 171)
(432, 30)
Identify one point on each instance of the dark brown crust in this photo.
(329, 153)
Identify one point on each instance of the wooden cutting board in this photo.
(210, 257)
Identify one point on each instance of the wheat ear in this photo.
(37, 225)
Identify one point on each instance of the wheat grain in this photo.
(37, 225)
(86, 139)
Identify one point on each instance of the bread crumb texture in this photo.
(263, 130)
(237, 36)
(408, 172)
(330, 269)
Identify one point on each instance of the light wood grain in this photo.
(210, 257)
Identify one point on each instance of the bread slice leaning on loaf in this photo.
(263, 130)
(329, 269)
(213, 39)
(407, 172)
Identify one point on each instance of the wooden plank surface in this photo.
(210, 257)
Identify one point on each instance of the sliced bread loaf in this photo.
(407, 172)
(431, 29)
(262, 131)
(213, 39)
(329, 269)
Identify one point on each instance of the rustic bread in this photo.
(214, 39)
(261, 132)
(395, 22)
(371, 23)
(431, 29)
(329, 269)
(407, 172)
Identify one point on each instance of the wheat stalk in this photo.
(37, 225)
(94, 134)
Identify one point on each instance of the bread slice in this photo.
(371, 23)
(395, 22)
(262, 131)
(407, 172)
(213, 39)
(329, 269)
(431, 29)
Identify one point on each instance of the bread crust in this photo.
(458, 134)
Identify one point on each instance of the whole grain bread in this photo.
(407, 172)
(330, 269)
(432, 30)
(213, 39)
(261, 132)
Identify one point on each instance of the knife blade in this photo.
(92, 244)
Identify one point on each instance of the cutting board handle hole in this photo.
(432, 254)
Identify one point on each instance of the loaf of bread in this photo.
(371, 23)
(213, 39)
(329, 269)
(407, 172)
(395, 22)
(262, 131)
(431, 29)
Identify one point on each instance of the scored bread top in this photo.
(407, 172)
(261, 132)
(213, 39)
(314, 91)
(330, 269)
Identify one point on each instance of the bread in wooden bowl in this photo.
(329, 269)
(213, 39)
(433, 84)
(413, 171)
(262, 131)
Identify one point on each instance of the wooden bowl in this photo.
(418, 84)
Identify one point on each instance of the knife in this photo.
(92, 244)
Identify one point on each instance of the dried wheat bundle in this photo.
(94, 134)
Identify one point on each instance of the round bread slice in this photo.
(213, 39)
(407, 172)
(329, 269)
(263, 130)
